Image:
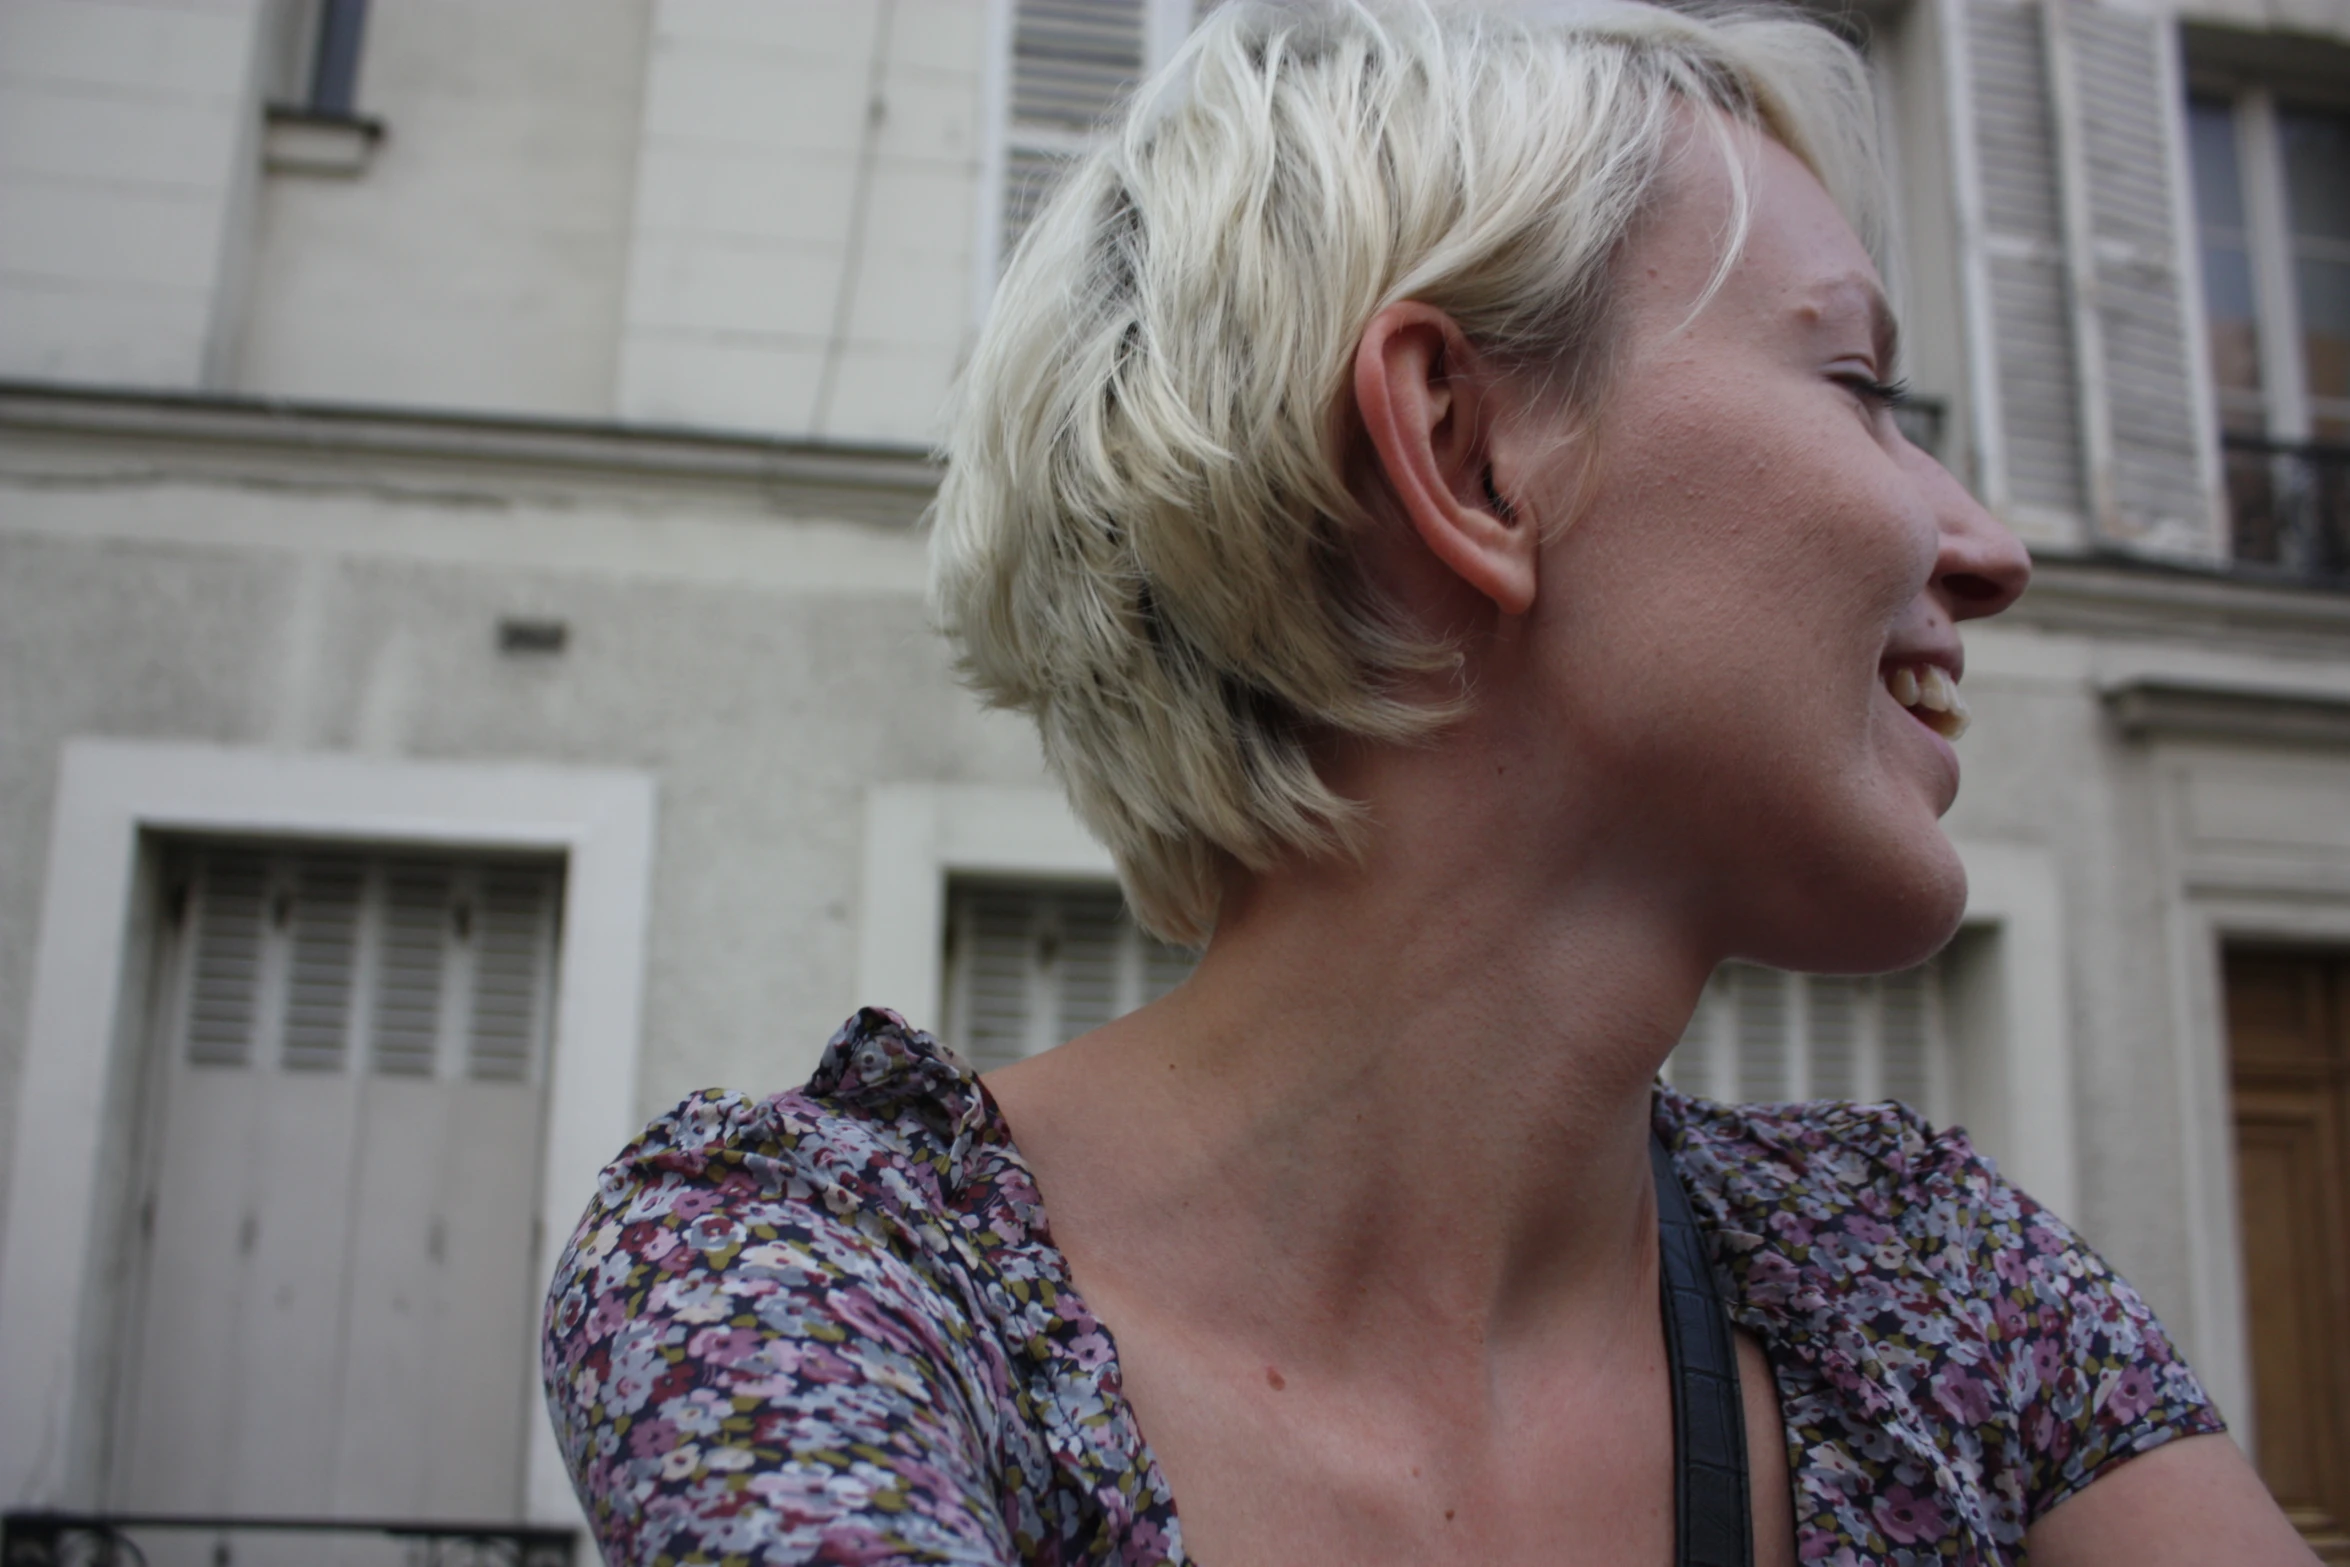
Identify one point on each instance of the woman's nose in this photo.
(1982, 568)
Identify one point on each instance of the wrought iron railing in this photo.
(61, 1539)
(2289, 508)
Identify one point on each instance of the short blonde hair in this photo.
(1143, 534)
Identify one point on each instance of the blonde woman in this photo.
(1432, 477)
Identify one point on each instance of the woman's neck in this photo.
(1395, 1102)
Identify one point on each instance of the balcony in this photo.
(2289, 508)
(35, 1538)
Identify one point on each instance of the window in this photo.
(314, 123)
(314, 65)
(2272, 198)
(1070, 61)
(1761, 1035)
(1030, 967)
(338, 1182)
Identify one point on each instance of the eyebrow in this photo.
(1857, 290)
(1885, 330)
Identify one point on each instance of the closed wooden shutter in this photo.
(2153, 471)
(1761, 1035)
(2075, 127)
(2042, 480)
(335, 1211)
(1029, 967)
(1071, 62)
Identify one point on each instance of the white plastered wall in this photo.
(113, 792)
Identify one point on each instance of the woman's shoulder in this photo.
(891, 1148)
(1941, 1339)
(833, 1295)
(1827, 1156)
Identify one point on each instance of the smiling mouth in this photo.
(1931, 697)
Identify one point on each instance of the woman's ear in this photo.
(1429, 410)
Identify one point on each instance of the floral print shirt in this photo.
(832, 1326)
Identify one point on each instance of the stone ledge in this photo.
(212, 434)
(2150, 707)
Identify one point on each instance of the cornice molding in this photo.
(206, 434)
(2152, 707)
(2106, 596)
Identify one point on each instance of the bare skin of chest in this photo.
(1571, 1464)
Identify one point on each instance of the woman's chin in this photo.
(1894, 919)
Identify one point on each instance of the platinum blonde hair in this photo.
(1143, 535)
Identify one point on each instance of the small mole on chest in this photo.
(1274, 1379)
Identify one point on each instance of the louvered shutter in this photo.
(513, 955)
(1071, 60)
(2079, 232)
(2154, 471)
(1761, 1035)
(1029, 967)
(335, 1292)
(227, 910)
(411, 975)
(2037, 474)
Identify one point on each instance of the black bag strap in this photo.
(1711, 1523)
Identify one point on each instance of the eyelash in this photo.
(1885, 394)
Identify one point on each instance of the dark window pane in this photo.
(2317, 172)
(2211, 139)
(2227, 307)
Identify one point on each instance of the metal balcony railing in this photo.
(62, 1539)
(2289, 507)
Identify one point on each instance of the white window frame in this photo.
(1165, 24)
(54, 1315)
(2004, 974)
(919, 835)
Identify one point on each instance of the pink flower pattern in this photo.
(832, 1327)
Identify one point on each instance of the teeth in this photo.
(1928, 691)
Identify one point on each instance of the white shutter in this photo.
(2070, 170)
(226, 907)
(2153, 472)
(1761, 1035)
(1762, 1047)
(1072, 58)
(321, 912)
(1030, 967)
(2038, 475)
(410, 974)
(333, 1304)
(1071, 61)
(514, 948)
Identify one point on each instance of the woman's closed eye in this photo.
(1878, 394)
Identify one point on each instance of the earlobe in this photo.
(1430, 412)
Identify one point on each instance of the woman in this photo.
(1433, 479)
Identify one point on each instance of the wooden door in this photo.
(2289, 1043)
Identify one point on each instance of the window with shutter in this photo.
(334, 1295)
(1032, 966)
(1071, 63)
(1761, 1035)
(2152, 482)
(2034, 380)
(2079, 235)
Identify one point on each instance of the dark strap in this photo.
(1710, 1519)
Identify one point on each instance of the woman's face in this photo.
(1759, 569)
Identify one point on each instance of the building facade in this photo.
(464, 680)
